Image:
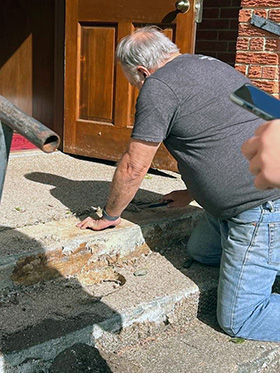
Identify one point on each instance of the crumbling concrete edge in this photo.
(151, 312)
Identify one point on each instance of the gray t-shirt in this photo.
(186, 105)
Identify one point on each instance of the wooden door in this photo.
(99, 102)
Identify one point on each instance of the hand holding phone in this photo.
(257, 101)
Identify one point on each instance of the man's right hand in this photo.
(97, 225)
(263, 153)
(178, 198)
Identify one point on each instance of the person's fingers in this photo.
(168, 197)
(84, 223)
(255, 165)
(261, 128)
(261, 182)
(97, 225)
(250, 147)
(173, 204)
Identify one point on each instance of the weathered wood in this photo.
(99, 102)
(32, 129)
(265, 24)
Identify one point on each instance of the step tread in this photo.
(201, 347)
(46, 311)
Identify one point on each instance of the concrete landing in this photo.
(120, 300)
(199, 348)
(40, 321)
(61, 285)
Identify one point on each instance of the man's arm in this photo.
(127, 179)
(263, 153)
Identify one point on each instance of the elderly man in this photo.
(184, 102)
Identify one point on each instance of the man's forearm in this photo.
(125, 184)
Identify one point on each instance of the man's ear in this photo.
(144, 71)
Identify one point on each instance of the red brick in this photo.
(228, 35)
(260, 3)
(248, 30)
(241, 68)
(255, 72)
(245, 15)
(215, 24)
(270, 73)
(207, 46)
(274, 15)
(207, 35)
(242, 43)
(261, 13)
(270, 86)
(272, 44)
(257, 44)
(257, 58)
(229, 13)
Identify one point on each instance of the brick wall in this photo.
(258, 51)
(217, 34)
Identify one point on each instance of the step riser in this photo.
(112, 334)
(79, 256)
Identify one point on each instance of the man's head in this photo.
(143, 52)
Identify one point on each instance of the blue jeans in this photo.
(247, 248)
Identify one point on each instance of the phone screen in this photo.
(257, 101)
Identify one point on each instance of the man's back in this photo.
(186, 104)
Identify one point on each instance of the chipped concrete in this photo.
(40, 321)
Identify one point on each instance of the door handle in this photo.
(183, 6)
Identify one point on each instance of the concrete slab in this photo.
(200, 348)
(45, 195)
(92, 297)
(40, 321)
(43, 187)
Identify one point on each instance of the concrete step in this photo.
(57, 248)
(62, 286)
(40, 321)
(201, 347)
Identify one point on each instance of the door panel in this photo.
(99, 102)
(96, 75)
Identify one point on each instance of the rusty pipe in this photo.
(32, 129)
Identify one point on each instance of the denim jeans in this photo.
(247, 249)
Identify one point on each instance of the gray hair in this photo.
(146, 47)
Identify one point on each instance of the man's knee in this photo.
(225, 323)
(202, 253)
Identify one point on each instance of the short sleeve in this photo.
(155, 109)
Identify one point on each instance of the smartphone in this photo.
(257, 101)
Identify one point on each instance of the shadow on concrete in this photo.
(81, 196)
(34, 313)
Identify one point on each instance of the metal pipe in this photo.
(6, 134)
(32, 129)
(12, 118)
